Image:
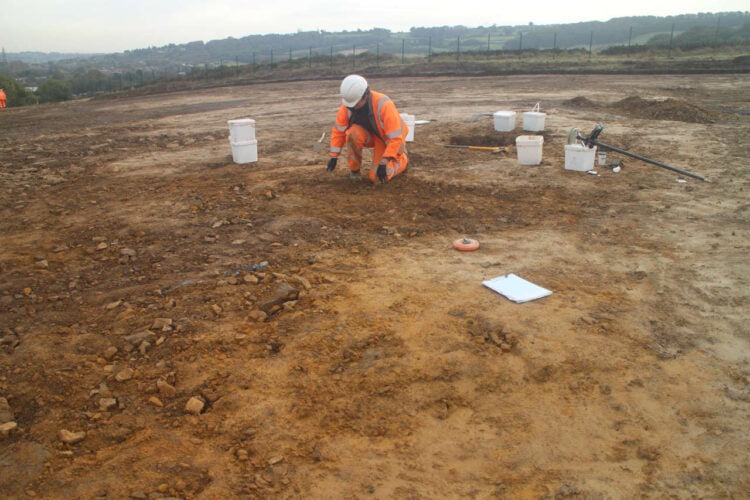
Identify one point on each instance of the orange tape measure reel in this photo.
(465, 244)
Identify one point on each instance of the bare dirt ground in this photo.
(366, 359)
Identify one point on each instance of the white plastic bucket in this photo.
(529, 149)
(409, 120)
(242, 130)
(505, 121)
(579, 157)
(244, 152)
(533, 121)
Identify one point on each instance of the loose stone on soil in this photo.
(257, 315)
(110, 353)
(124, 375)
(107, 404)
(6, 413)
(155, 401)
(69, 437)
(160, 323)
(7, 428)
(165, 389)
(113, 305)
(194, 406)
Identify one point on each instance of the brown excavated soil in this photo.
(333, 343)
(652, 109)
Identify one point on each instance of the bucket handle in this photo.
(535, 108)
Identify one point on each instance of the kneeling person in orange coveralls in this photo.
(368, 119)
(3, 98)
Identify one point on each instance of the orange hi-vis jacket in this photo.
(391, 129)
(3, 99)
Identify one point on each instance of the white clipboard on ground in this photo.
(516, 288)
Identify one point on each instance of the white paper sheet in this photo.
(516, 288)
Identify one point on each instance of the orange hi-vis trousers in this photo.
(358, 137)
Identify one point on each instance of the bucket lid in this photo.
(534, 114)
(578, 147)
(241, 121)
(242, 143)
(504, 113)
(529, 139)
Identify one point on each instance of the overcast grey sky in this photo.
(114, 26)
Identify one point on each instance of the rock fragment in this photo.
(69, 437)
(124, 375)
(165, 389)
(7, 428)
(194, 405)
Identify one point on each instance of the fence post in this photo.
(591, 42)
(630, 36)
(488, 45)
(554, 47)
(332, 56)
(272, 57)
(354, 56)
(290, 55)
(671, 37)
(403, 47)
(429, 50)
(458, 49)
(377, 56)
(309, 58)
(520, 42)
(236, 65)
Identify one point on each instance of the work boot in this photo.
(354, 176)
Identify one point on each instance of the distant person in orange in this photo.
(3, 99)
(368, 119)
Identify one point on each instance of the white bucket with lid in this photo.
(579, 157)
(533, 121)
(529, 149)
(505, 121)
(245, 151)
(241, 130)
(409, 120)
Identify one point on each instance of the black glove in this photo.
(381, 173)
(331, 164)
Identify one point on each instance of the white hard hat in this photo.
(352, 89)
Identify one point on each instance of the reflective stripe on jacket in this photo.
(391, 129)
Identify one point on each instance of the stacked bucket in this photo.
(242, 139)
(528, 147)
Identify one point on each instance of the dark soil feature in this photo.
(580, 102)
(501, 139)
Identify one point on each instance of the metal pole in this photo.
(520, 43)
(309, 58)
(236, 65)
(290, 56)
(591, 43)
(354, 56)
(488, 45)
(647, 160)
(458, 48)
(332, 56)
(630, 36)
(403, 49)
(377, 56)
(271, 57)
(429, 49)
